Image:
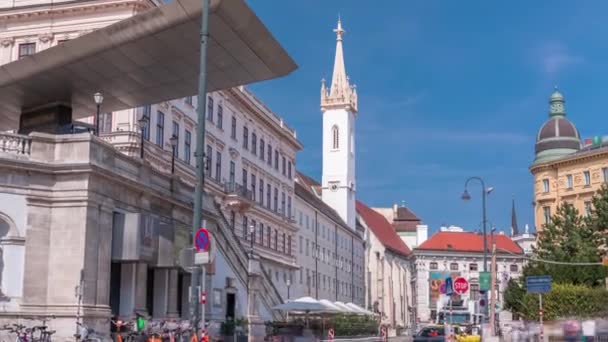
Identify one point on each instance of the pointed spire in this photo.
(339, 81)
(341, 93)
(514, 228)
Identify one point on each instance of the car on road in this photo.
(430, 334)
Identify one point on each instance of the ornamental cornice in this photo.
(45, 37)
(6, 42)
(69, 9)
(570, 160)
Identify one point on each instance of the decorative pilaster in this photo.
(172, 294)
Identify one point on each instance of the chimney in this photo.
(422, 234)
(395, 209)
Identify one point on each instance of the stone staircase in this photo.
(247, 270)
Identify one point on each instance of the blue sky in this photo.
(447, 90)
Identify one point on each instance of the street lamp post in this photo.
(197, 212)
(143, 122)
(466, 196)
(98, 101)
(288, 282)
(252, 237)
(173, 141)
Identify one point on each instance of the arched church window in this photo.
(335, 137)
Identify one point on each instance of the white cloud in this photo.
(555, 57)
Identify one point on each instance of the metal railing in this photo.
(15, 144)
(238, 189)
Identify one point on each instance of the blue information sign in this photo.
(449, 288)
(538, 284)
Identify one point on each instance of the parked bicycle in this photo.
(86, 334)
(37, 333)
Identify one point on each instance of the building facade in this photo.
(330, 254)
(141, 191)
(407, 225)
(460, 254)
(389, 281)
(565, 169)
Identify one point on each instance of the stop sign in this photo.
(461, 285)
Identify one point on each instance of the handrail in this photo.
(15, 144)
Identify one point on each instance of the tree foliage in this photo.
(570, 238)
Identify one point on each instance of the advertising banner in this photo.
(437, 286)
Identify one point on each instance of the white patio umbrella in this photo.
(332, 306)
(345, 308)
(359, 309)
(304, 304)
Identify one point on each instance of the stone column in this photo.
(141, 282)
(172, 295)
(127, 290)
(185, 299)
(104, 254)
(161, 291)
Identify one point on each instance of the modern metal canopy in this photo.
(148, 58)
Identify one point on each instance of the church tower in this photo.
(339, 107)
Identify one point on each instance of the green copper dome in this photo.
(557, 137)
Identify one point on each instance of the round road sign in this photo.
(202, 240)
(461, 285)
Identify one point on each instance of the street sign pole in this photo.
(203, 300)
(540, 315)
(197, 210)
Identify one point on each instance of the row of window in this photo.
(265, 236)
(26, 49)
(264, 151)
(325, 232)
(547, 211)
(276, 273)
(325, 255)
(286, 165)
(472, 267)
(325, 282)
(175, 131)
(250, 182)
(570, 182)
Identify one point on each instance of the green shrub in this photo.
(565, 301)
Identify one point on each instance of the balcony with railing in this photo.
(15, 145)
(237, 197)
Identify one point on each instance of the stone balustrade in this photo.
(15, 144)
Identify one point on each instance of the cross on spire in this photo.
(338, 30)
(340, 93)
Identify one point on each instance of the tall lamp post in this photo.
(466, 196)
(288, 283)
(197, 212)
(252, 238)
(98, 101)
(143, 123)
(173, 141)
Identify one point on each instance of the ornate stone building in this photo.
(565, 169)
(112, 217)
(458, 253)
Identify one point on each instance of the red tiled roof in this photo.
(309, 182)
(468, 242)
(405, 214)
(405, 226)
(382, 229)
